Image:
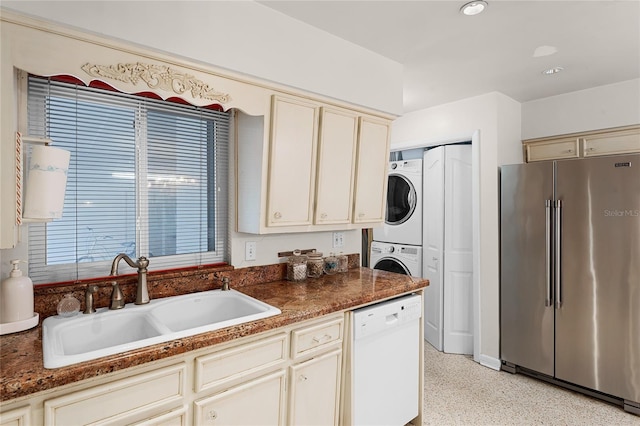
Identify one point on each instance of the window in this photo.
(147, 178)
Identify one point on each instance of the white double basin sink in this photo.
(67, 341)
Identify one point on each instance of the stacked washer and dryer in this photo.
(397, 245)
(437, 235)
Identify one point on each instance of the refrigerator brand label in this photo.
(621, 213)
(627, 164)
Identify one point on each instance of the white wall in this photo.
(492, 122)
(242, 36)
(600, 107)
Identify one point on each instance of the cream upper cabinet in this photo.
(335, 167)
(310, 167)
(622, 140)
(292, 162)
(371, 171)
(552, 150)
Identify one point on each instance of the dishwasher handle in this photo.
(391, 319)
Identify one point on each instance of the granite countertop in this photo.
(21, 362)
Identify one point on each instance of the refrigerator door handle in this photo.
(558, 250)
(547, 264)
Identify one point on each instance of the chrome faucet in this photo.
(142, 294)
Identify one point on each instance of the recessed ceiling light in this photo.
(474, 7)
(551, 71)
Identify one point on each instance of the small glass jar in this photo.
(297, 267)
(343, 262)
(330, 264)
(315, 264)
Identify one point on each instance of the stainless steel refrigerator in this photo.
(570, 274)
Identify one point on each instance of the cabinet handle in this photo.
(323, 216)
(303, 378)
(360, 214)
(277, 215)
(326, 337)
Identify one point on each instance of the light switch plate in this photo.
(338, 239)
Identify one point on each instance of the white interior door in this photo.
(433, 239)
(458, 251)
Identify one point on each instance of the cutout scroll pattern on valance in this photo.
(157, 77)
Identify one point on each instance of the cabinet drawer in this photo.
(234, 363)
(17, 417)
(607, 144)
(176, 417)
(316, 337)
(565, 148)
(121, 402)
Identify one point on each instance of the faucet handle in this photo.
(117, 298)
(88, 299)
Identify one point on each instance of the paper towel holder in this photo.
(49, 180)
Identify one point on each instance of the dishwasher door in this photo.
(386, 362)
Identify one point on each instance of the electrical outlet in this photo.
(338, 239)
(250, 250)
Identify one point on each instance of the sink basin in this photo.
(199, 311)
(67, 341)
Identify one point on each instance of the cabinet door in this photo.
(371, 171)
(623, 142)
(552, 150)
(335, 167)
(292, 159)
(257, 402)
(315, 391)
(18, 417)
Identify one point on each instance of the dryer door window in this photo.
(391, 265)
(401, 200)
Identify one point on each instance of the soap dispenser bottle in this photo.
(16, 301)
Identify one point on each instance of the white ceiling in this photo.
(448, 56)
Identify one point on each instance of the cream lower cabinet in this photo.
(256, 402)
(290, 376)
(133, 399)
(315, 391)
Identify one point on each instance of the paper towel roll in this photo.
(46, 183)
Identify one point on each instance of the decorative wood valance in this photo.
(157, 77)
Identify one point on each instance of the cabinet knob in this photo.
(360, 214)
(302, 378)
(277, 215)
(212, 415)
(323, 216)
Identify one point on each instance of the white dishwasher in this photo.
(386, 362)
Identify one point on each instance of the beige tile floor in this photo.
(459, 391)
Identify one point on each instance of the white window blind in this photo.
(147, 178)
